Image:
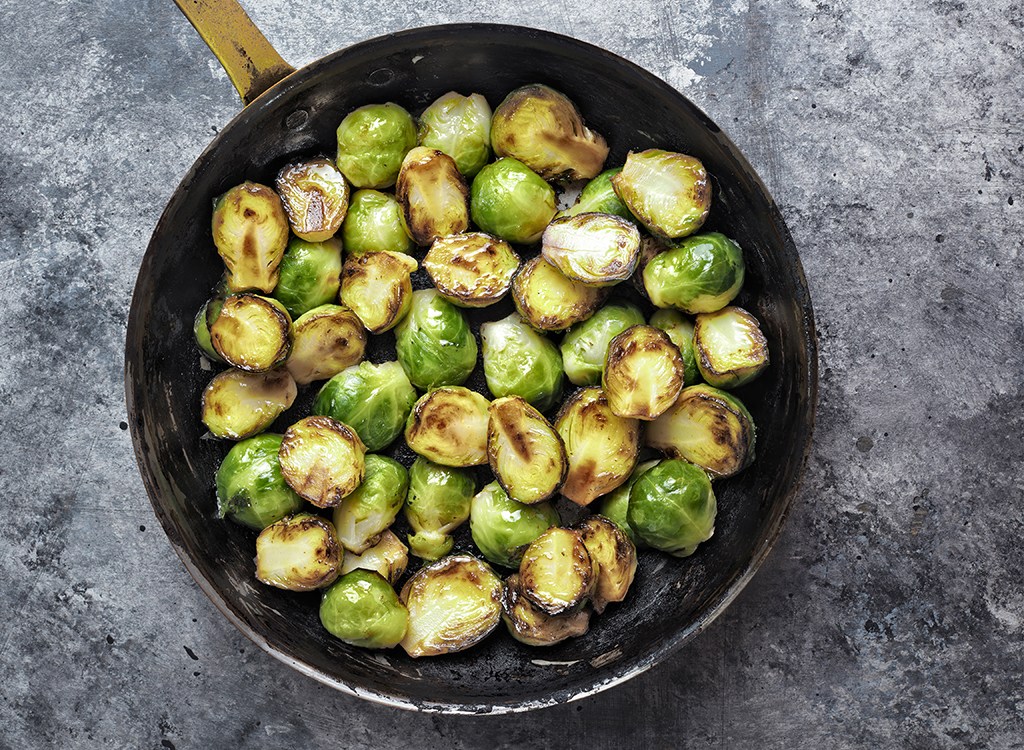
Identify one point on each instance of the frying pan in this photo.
(295, 112)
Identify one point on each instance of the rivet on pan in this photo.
(381, 77)
(297, 119)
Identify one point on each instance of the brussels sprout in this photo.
(518, 361)
(672, 507)
(510, 201)
(557, 573)
(378, 288)
(201, 327)
(387, 557)
(298, 553)
(680, 330)
(524, 451)
(374, 400)
(438, 503)
(310, 275)
(372, 141)
(529, 625)
(548, 300)
(238, 404)
(593, 249)
(701, 274)
(707, 427)
(252, 332)
(585, 346)
(649, 247)
(315, 197)
(461, 127)
(250, 488)
(669, 192)
(250, 232)
(472, 269)
(374, 224)
(322, 460)
(448, 425)
(615, 504)
(325, 341)
(453, 604)
(434, 343)
(730, 348)
(643, 373)
(433, 195)
(598, 196)
(373, 506)
(602, 447)
(363, 610)
(502, 528)
(543, 129)
(610, 547)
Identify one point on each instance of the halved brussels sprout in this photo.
(453, 604)
(598, 196)
(593, 249)
(524, 451)
(700, 274)
(201, 327)
(680, 330)
(649, 247)
(310, 275)
(672, 507)
(730, 348)
(325, 341)
(438, 503)
(322, 460)
(363, 610)
(509, 200)
(250, 232)
(387, 557)
(528, 624)
(448, 425)
(615, 555)
(707, 427)
(298, 553)
(585, 346)
(250, 488)
(471, 269)
(373, 506)
(372, 141)
(433, 195)
(238, 404)
(557, 573)
(548, 300)
(518, 361)
(502, 528)
(461, 127)
(615, 504)
(434, 343)
(378, 288)
(374, 224)
(602, 447)
(643, 373)
(543, 129)
(374, 400)
(252, 332)
(669, 192)
(315, 197)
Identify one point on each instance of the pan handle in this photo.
(252, 64)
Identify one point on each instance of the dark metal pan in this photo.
(297, 112)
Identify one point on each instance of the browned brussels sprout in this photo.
(298, 553)
(325, 341)
(238, 404)
(557, 573)
(548, 300)
(615, 555)
(524, 451)
(729, 346)
(593, 249)
(378, 288)
(201, 327)
(448, 425)
(388, 557)
(250, 232)
(669, 192)
(433, 194)
(322, 460)
(471, 269)
(315, 197)
(251, 332)
(643, 374)
(528, 624)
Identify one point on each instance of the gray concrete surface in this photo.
(889, 615)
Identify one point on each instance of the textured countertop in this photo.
(890, 613)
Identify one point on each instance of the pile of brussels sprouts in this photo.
(314, 270)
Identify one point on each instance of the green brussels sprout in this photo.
(680, 330)
(502, 529)
(524, 451)
(557, 573)
(374, 400)
(668, 192)
(448, 425)
(518, 361)
(250, 232)
(252, 333)
(528, 624)
(310, 275)
(434, 343)
(471, 269)
(730, 348)
(510, 201)
(374, 224)
(702, 273)
(460, 126)
(672, 507)
(585, 345)
(372, 141)
(649, 247)
(298, 553)
(643, 373)
(250, 488)
(322, 460)
(598, 196)
(548, 300)
(363, 610)
(615, 556)
(593, 249)
(325, 341)
(388, 557)
(433, 195)
(315, 197)
(615, 504)
(543, 129)
(378, 288)
(201, 327)
(372, 506)
(238, 404)
(438, 503)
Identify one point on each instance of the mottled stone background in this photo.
(889, 615)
